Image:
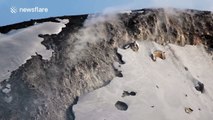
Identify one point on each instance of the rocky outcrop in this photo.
(170, 26)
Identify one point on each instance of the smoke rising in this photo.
(93, 31)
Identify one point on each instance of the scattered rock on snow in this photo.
(188, 110)
(186, 68)
(121, 105)
(120, 60)
(158, 54)
(133, 45)
(126, 93)
(199, 86)
(118, 73)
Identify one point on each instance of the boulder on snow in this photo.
(199, 86)
(121, 105)
(188, 110)
(158, 54)
(126, 93)
(133, 45)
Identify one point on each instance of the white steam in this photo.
(93, 31)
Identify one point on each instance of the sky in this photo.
(76, 7)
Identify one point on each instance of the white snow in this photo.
(163, 84)
(126, 11)
(8, 86)
(64, 21)
(8, 99)
(19, 45)
(6, 90)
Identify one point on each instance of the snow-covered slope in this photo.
(164, 89)
(17, 46)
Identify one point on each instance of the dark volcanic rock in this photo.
(121, 105)
(199, 86)
(126, 93)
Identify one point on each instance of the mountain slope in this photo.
(163, 89)
(84, 52)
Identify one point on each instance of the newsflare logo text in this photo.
(15, 10)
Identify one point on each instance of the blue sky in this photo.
(74, 7)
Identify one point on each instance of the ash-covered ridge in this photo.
(83, 57)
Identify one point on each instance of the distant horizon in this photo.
(101, 12)
(10, 14)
